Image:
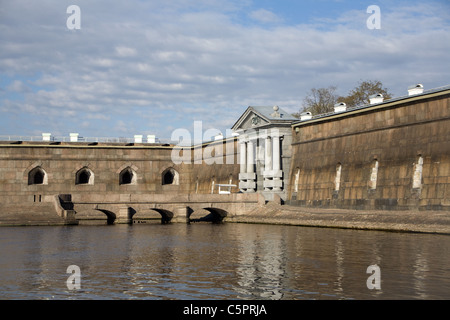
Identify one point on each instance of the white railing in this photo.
(20, 138)
(82, 139)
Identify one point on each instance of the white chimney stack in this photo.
(151, 138)
(138, 138)
(339, 107)
(306, 116)
(415, 89)
(376, 98)
(73, 137)
(46, 136)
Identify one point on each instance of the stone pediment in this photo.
(255, 117)
(252, 120)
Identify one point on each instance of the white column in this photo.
(243, 166)
(276, 153)
(276, 163)
(268, 155)
(267, 164)
(251, 175)
(243, 155)
(250, 157)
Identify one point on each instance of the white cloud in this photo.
(164, 61)
(125, 52)
(18, 86)
(265, 16)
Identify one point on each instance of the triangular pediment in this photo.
(250, 119)
(253, 120)
(255, 117)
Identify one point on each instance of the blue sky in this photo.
(150, 67)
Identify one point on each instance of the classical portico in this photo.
(264, 150)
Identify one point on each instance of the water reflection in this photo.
(228, 261)
(261, 265)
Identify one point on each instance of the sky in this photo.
(152, 67)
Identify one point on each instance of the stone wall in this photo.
(61, 164)
(215, 163)
(395, 155)
(391, 156)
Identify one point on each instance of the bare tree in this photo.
(319, 101)
(322, 100)
(360, 94)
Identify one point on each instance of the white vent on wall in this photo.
(306, 116)
(376, 98)
(339, 107)
(415, 89)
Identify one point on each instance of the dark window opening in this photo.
(168, 178)
(126, 177)
(37, 176)
(83, 177)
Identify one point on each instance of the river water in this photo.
(220, 261)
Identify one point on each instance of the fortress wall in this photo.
(219, 165)
(61, 163)
(405, 137)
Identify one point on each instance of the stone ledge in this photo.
(437, 222)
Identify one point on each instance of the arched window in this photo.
(170, 176)
(37, 176)
(127, 176)
(84, 176)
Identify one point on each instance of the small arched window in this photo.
(170, 176)
(84, 176)
(127, 176)
(37, 176)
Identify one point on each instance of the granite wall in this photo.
(391, 156)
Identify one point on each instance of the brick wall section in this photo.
(395, 134)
